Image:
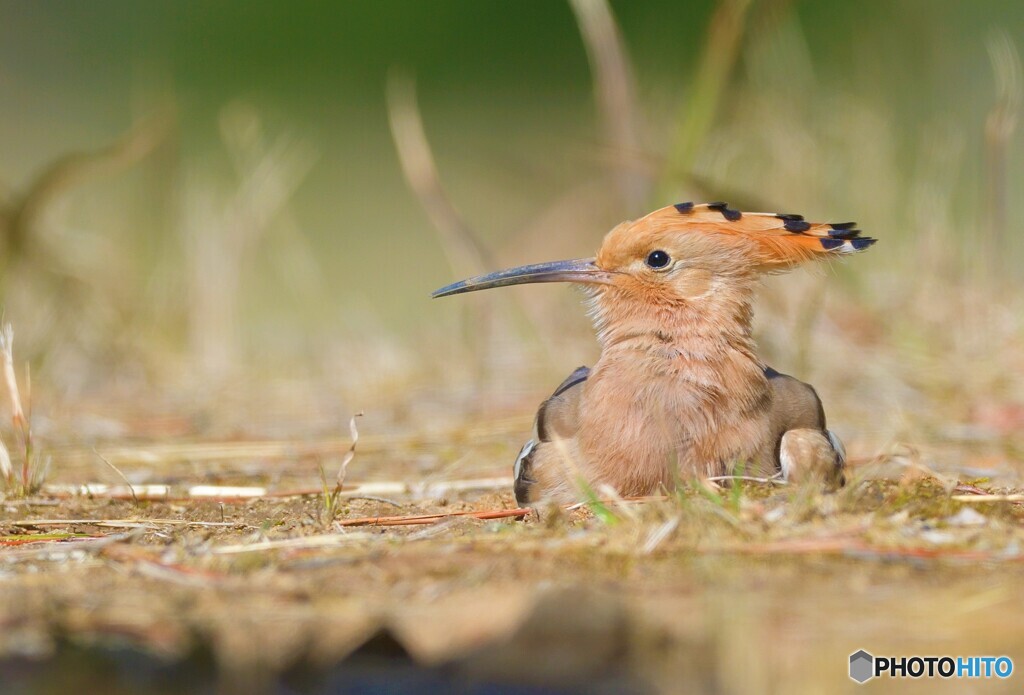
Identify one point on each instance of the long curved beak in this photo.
(581, 271)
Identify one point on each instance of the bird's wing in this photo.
(795, 405)
(558, 416)
(803, 446)
(782, 240)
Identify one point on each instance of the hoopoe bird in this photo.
(678, 390)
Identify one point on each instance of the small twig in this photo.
(1017, 497)
(973, 492)
(121, 523)
(772, 480)
(104, 491)
(220, 493)
(417, 519)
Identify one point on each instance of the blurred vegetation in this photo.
(242, 208)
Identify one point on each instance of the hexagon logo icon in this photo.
(862, 666)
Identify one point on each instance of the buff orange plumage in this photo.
(678, 389)
(771, 241)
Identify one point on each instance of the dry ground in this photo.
(750, 588)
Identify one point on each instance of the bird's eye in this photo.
(658, 259)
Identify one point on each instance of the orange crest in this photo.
(774, 242)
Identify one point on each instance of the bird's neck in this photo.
(685, 357)
(707, 330)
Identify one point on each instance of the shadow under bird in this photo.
(678, 391)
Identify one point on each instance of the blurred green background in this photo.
(900, 115)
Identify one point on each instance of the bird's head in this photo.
(682, 253)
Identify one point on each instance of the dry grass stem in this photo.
(227, 491)
(122, 523)
(6, 468)
(419, 519)
(33, 467)
(659, 534)
(466, 254)
(117, 470)
(222, 235)
(370, 490)
(697, 116)
(350, 454)
(747, 478)
(999, 128)
(988, 498)
(104, 491)
(10, 378)
(616, 95)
